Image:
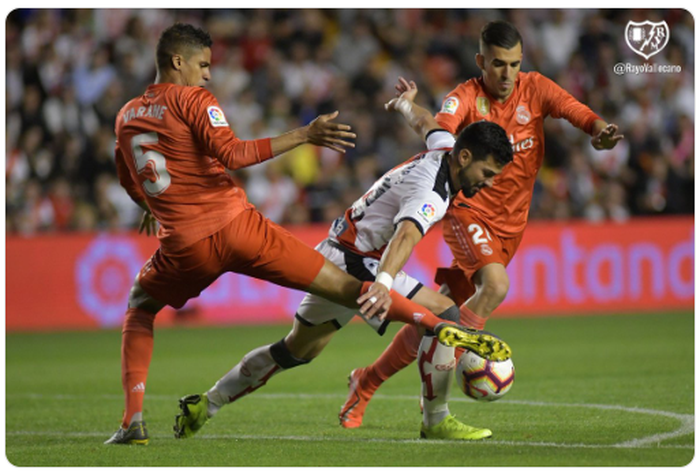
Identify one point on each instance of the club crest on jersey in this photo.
(427, 211)
(216, 116)
(483, 105)
(450, 106)
(486, 250)
(647, 38)
(522, 115)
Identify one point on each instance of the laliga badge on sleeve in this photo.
(450, 106)
(647, 38)
(216, 116)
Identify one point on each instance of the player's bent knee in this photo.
(138, 298)
(496, 290)
(492, 283)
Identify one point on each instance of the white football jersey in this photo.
(419, 190)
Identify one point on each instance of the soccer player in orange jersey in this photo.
(483, 232)
(173, 146)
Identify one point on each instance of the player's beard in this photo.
(468, 188)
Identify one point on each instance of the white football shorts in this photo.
(315, 310)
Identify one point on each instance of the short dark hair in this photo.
(500, 33)
(177, 39)
(484, 138)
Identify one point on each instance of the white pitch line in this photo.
(687, 421)
(304, 438)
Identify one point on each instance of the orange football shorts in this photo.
(473, 245)
(250, 244)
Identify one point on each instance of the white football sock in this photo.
(436, 363)
(253, 371)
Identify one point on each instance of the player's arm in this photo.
(322, 132)
(562, 105)
(395, 256)
(420, 119)
(133, 189)
(235, 153)
(212, 130)
(419, 211)
(400, 247)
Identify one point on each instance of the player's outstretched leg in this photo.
(482, 343)
(135, 434)
(193, 415)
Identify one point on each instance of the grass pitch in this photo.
(589, 391)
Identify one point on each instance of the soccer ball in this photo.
(482, 379)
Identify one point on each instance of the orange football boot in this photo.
(354, 408)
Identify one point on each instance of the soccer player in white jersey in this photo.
(372, 241)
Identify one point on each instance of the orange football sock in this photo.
(470, 318)
(137, 347)
(400, 353)
(406, 311)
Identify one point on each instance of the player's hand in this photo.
(405, 91)
(607, 138)
(375, 302)
(405, 87)
(148, 223)
(324, 132)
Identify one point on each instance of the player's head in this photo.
(183, 55)
(481, 151)
(499, 58)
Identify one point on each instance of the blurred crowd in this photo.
(68, 72)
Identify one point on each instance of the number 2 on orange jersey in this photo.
(478, 233)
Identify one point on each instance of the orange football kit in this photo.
(207, 226)
(488, 227)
